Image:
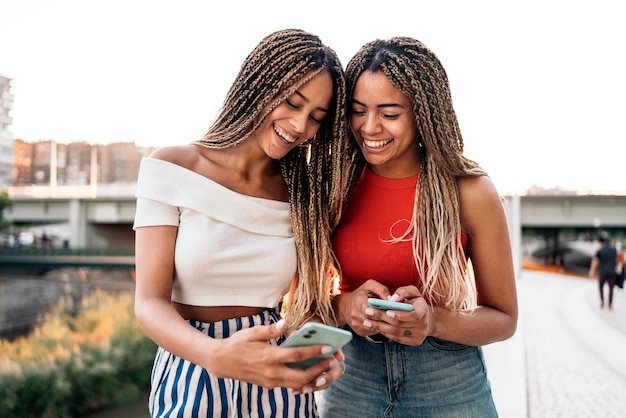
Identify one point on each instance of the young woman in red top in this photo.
(426, 226)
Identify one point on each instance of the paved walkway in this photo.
(568, 357)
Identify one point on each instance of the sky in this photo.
(539, 86)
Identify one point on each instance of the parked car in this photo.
(26, 239)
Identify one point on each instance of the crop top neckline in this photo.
(173, 184)
(267, 202)
(390, 183)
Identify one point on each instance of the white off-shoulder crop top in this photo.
(231, 249)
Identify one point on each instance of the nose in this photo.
(298, 123)
(370, 123)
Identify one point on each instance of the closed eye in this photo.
(316, 120)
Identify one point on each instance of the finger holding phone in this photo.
(404, 318)
(248, 357)
(336, 368)
(350, 306)
(423, 322)
(330, 339)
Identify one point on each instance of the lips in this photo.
(288, 139)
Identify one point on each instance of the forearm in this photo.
(160, 322)
(483, 326)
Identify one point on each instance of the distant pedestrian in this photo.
(603, 265)
(619, 269)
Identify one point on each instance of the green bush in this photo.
(76, 362)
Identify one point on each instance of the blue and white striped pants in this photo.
(183, 389)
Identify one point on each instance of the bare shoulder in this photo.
(479, 199)
(182, 155)
(473, 190)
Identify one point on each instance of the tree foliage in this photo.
(5, 202)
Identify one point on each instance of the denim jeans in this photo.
(436, 379)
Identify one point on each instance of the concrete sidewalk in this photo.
(506, 368)
(601, 331)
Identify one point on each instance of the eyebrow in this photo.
(380, 105)
(322, 109)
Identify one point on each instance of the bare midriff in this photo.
(215, 313)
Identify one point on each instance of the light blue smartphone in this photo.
(313, 333)
(388, 305)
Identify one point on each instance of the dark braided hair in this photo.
(436, 228)
(315, 175)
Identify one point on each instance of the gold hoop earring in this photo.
(308, 142)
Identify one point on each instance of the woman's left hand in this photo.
(335, 370)
(409, 328)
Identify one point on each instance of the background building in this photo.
(75, 164)
(6, 136)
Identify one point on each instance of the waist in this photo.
(215, 313)
(228, 327)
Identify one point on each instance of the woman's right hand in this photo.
(248, 356)
(351, 306)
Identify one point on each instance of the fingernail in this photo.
(308, 389)
(367, 324)
(391, 314)
(326, 349)
(320, 382)
(369, 311)
(280, 323)
(394, 297)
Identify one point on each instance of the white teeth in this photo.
(284, 136)
(376, 144)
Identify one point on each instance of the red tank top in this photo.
(379, 209)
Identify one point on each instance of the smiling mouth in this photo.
(377, 144)
(284, 135)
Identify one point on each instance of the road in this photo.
(568, 357)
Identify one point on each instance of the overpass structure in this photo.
(91, 222)
(576, 211)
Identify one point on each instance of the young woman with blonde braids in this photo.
(424, 225)
(228, 225)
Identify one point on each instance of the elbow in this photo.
(510, 325)
(504, 322)
(510, 330)
(142, 317)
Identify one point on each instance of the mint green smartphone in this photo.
(387, 305)
(313, 333)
